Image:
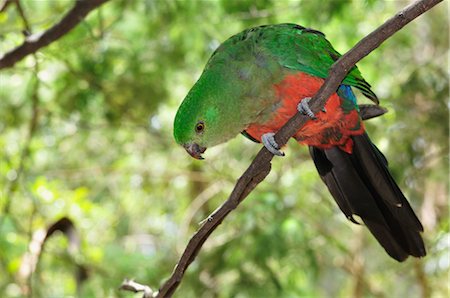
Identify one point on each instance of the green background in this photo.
(101, 153)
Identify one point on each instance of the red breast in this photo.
(331, 128)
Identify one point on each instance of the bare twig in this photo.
(5, 5)
(36, 41)
(260, 167)
(132, 286)
(26, 24)
(31, 259)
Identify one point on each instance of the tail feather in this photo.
(362, 185)
(367, 157)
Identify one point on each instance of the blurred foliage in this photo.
(100, 151)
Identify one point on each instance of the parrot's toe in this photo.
(269, 142)
(303, 107)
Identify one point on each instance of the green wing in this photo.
(307, 50)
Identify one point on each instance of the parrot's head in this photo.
(208, 115)
(227, 96)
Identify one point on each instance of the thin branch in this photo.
(26, 24)
(5, 5)
(31, 258)
(37, 41)
(132, 286)
(260, 167)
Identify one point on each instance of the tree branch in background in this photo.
(33, 43)
(5, 5)
(36, 41)
(26, 24)
(132, 286)
(31, 259)
(260, 167)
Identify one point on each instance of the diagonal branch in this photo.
(5, 5)
(260, 167)
(37, 41)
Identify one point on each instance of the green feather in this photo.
(302, 49)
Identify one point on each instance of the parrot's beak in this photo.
(195, 150)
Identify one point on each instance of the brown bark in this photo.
(37, 41)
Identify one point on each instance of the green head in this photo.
(229, 95)
(208, 115)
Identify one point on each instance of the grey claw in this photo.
(304, 108)
(270, 143)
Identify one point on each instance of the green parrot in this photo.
(257, 80)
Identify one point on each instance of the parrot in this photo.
(256, 80)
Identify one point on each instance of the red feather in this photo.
(331, 128)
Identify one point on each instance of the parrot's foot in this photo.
(303, 107)
(269, 142)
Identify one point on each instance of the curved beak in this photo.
(195, 150)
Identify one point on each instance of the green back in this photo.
(298, 48)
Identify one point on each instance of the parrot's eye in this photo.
(199, 127)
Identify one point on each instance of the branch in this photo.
(5, 5)
(132, 286)
(26, 24)
(260, 167)
(35, 249)
(36, 41)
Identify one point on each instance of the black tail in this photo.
(362, 185)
